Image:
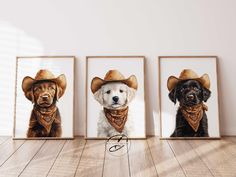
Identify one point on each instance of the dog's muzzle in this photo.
(191, 98)
(45, 97)
(115, 99)
(45, 100)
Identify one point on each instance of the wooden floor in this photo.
(147, 158)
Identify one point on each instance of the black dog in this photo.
(191, 119)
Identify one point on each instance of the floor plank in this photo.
(21, 157)
(227, 150)
(148, 158)
(189, 160)
(3, 139)
(116, 166)
(67, 161)
(140, 160)
(164, 160)
(218, 156)
(92, 159)
(231, 138)
(7, 148)
(231, 148)
(44, 159)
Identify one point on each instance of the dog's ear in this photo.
(130, 94)
(173, 95)
(30, 95)
(59, 92)
(205, 94)
(98, 95)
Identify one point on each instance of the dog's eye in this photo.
(195, 88)
(121, 91)
(36, 89)
(108, 91)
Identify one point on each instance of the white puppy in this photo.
(114, 96)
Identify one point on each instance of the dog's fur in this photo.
(105, 96)
(44, 95)
(182, 92)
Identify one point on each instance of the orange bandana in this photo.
(193, 114)
(46, 116)
(117, 118)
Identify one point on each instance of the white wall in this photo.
(119, 27)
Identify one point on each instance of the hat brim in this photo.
(28, 82)
(97, 83)
(173, 81)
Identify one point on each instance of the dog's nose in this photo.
(190, 96)
(45, 97)
(115, 98)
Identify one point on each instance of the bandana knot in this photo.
(46, 116)
(193, 114)
(117, 118)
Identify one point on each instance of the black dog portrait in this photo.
(191, 92)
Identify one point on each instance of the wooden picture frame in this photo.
(100, 65)
(43, 85)
(173, 70)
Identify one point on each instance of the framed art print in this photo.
(44, 98)
(189, 97)
(115, 97)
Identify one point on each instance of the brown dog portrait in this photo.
(44, 91)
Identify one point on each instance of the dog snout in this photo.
(45, 97)
(190, 96)
(115, 99)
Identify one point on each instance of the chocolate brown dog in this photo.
(43, 92)
(191, 91)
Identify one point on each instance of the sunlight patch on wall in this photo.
(13, 42)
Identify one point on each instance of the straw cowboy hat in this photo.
(113, 76)
(187, 74)
(44, 75)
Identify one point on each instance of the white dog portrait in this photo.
(114, 93)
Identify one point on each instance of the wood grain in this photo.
(42, 162)
(164, 160)
(140, 159)
(189, 159)
(21, 157)
(91, 162)
(217, 155)
(3, 139)
(116, 165)
(8, 148)
(68, 160)
(145, 158)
